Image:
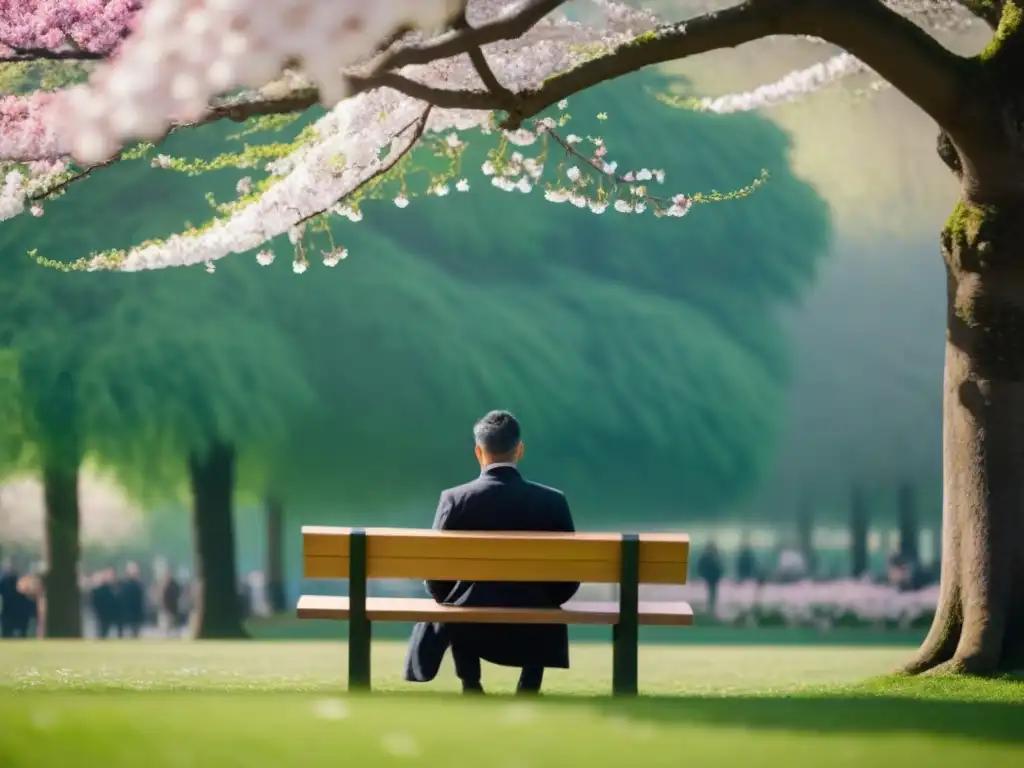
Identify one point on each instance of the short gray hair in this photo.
(498, 433)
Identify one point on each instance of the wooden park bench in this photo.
(628, 560)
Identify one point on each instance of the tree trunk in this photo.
(858, 533)
(276, 591)
(218, 608)
(979, 623)
(805, 535)
(910, 533)
(63, 615)
(56, 417)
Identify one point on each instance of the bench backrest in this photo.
(408, 553)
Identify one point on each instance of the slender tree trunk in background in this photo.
(218, 607)
(56, 416)
(63, 617)
(858, 533)
(276, 592)
(979, 623)
(805, 535)
(910, 532)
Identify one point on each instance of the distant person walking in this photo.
(105, 604)
(710, 570)
(746, 563)
(30, 587)
(169, 607)
(792, 566)
(131, 596)
(15, 608)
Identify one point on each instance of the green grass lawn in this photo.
(177, 704)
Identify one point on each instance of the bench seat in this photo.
(414, 609)
(626, 559)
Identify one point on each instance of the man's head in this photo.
(131, 570)
(498, 439)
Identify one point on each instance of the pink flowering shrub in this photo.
(821, 605)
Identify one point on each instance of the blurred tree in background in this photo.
(645, 359)
(167, 378)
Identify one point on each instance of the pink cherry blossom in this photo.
(27, 131)
(92, 26)
(165, 61)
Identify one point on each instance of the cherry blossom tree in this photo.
(508, 69)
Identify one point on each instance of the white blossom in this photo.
(140, 93)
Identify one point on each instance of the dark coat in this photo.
(16, 609)
(105, 604)
(132, 597)
(499, 500)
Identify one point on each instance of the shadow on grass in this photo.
(1000, 719)
(849, 713)
(841, 714)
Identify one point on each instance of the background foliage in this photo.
(645, 357)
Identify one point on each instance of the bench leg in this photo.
(626, 637)
(624, 660)
(359, 630)
(360, 634)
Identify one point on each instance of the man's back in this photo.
(500, 499)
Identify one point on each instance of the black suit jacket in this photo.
(498, 500)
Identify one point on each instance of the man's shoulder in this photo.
(481, 484)
(468, 488)
(546, 491)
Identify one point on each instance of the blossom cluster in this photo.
(819, 604)
(92, 26)
(171, 58)
(826, 604)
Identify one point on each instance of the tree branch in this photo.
(46, 54)
(463, 38)
(418, 127)
(240, 110)
(933, 77)
(509, 100)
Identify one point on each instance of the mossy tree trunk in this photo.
(218, 607)
(979, 623)
(274, 566)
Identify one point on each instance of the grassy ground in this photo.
(707, 632)
(164, 704)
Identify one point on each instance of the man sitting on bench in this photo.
(500, 499)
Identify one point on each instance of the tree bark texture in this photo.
(218, 608)
(276, 589)
(979, 624)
